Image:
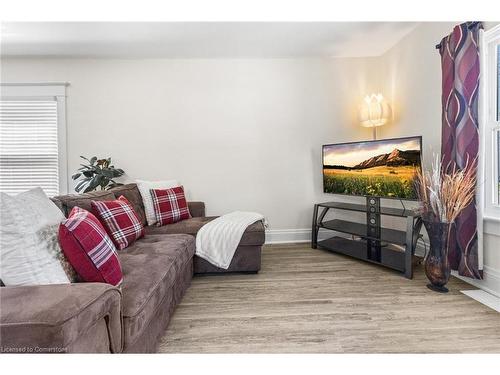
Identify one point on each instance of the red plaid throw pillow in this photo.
(89, 249)
(120, 220)
(170, 205)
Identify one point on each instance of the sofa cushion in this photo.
(67, 202)
(131, 192)
(120, 220)
(254, 234)
(150, 269)
(196, 209)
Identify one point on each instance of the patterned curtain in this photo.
(460, 138)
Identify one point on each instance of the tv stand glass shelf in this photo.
(384, 246)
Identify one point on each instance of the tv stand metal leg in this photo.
(314, 229)
(409, 248)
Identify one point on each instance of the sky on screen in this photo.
(352, 154)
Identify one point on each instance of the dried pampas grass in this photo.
(444, 195)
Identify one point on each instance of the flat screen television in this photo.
(383, 168)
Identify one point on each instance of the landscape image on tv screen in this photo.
(383, 168)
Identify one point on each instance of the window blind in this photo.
(29, 146)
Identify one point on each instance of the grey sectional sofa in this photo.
(95, 317)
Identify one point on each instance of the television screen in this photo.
(383, 168)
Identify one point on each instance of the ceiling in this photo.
(201, 39)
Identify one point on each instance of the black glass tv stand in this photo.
(370, 241)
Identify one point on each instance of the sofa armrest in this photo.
(60, 318)
(196, 209)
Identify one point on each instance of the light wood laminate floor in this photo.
(314, 301)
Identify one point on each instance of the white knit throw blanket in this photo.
(217, 240)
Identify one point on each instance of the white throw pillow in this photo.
(144, 188)
(26, 248)
(38, 208)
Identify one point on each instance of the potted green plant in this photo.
(96, 173)
(443, 196)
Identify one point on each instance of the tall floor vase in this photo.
(437, 266)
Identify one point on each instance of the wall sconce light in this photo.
(374, 112)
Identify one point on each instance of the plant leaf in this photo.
(97, 173)
(108, 173)
(81, 184)
(94, 183)
(116, 173)
(113, 185)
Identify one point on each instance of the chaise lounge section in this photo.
(246, 258)
(94, 317)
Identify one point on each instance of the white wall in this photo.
(239, 134)
(413, 82)
(412, 71)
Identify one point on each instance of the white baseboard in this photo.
(490, 282)
(483, 297)
(276, 236)
(420, 249)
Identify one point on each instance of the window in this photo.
(490, 120)
(33, 138)
(496, 125)
(498, 82)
